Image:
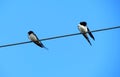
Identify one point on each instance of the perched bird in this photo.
(82, 26)
(34, 38)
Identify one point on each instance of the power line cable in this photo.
(67, 35)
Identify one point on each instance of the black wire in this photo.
(14, 44)
(50, 38)
(78, 33)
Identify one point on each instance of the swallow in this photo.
(34, 38)
(82, 26)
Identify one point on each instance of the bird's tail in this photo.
(41, 45)
(85, 35)
(45, 48)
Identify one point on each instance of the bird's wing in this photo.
(90, 34)
(39, 43)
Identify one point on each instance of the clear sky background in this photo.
(66, 57)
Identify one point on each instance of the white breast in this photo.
(83, 29)
(33, 37)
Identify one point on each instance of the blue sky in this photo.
(66, 57)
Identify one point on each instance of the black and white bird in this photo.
(34, 38)
(82, 26)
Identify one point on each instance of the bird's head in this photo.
(30, 32)
(83, 23)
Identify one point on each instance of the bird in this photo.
(33, 37)
(82, 26)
